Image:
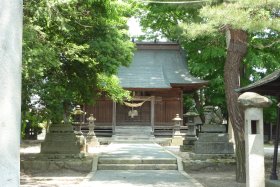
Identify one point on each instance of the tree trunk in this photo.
(236, 50)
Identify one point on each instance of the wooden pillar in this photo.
(114, 120)
(10, 91)
(153, 113)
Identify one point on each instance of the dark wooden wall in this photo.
(144, 114)
(102, 110)
(171, 104)
(168, 103)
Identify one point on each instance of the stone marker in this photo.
(253, 104)
(10, 91)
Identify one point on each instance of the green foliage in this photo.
(248, 15)
(199, 28)
(31, 120)
(70, 49)
(206, 60)
(110, 85)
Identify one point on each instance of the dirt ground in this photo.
(217, 177)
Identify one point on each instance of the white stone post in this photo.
(10, 91)
(254, 103)
(254, 147)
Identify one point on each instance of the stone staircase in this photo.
(137, 164)
(133, 134)
(133, 148)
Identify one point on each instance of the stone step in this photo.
(136, 161)
(137, 167)
(132, 141)
(131, 138)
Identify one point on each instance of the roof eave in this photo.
(189, 87)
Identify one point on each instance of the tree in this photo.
(72, 50)
(241, 22)
(237, 19)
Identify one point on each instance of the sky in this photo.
(134, 27)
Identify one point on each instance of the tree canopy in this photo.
(71, 51)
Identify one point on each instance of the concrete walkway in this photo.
(139, 178)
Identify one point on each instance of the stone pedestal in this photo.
(92, 141)
(190, 139)
(213, 128)
(213, 143)
(60, 140)
(176, 140)
(188, 144)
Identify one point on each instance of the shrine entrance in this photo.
(129, 115)
(137, 112)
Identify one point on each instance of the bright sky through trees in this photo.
(134, 27)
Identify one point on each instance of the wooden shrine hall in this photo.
(158, 77)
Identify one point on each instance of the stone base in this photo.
(194, 156)
(176, 140)
(213, 143)
(92, 142)
(79, 165)
(213, 148)
(186, 148)
(59, 156)
(213, 128)
(60, 140)
(188, 144)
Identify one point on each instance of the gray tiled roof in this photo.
(269, 85)
(157, 68)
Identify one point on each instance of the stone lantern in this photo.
(177, 123)
(177, 138)
(192, 121)
(91, 125)
(79, 118)
(91, 138)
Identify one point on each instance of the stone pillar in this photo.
(10, 91)
(253, 104)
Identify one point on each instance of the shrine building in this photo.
(158, 77)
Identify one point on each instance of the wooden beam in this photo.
(153, 113)
(148, 98)
(114, 118)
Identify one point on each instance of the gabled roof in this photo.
(269, 85)
(158, 66)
